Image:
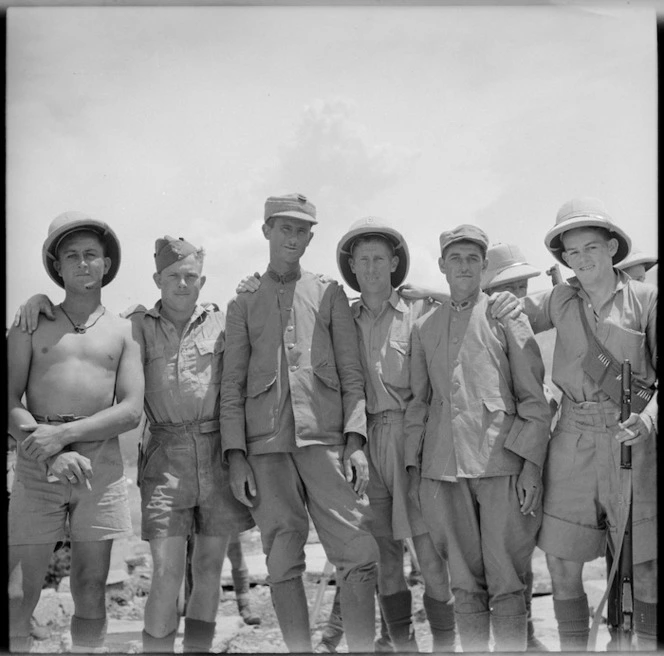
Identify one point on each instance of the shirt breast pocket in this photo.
(209, 354)
(627, 344)
(397, 363)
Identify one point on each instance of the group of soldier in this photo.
(405, 414)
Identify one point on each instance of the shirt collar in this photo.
(394, 300)
(621, 282)
(198, 311)
(284, 279)
(460, 306)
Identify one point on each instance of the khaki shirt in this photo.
(291, 365)
(478, 408)
(385, 349)
(182, 374)
(626, 325)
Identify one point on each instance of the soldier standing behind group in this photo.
(293, 426)
(477, 428)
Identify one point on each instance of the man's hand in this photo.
(27, 316)
(71, 467)
(529, 488)
(249, 284)
(632, 431)
(505, 304)
(355, 463)
(243, 483)
(414, 480)
(43, 442)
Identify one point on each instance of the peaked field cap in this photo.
(637, 257)
(372, 226)
(72, 221)
(506, 263)
(169, 250)
(295, 206)
(585, 212)
(464, 232)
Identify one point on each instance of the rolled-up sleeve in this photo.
(349, 365)
(536, 306)
(527, 371)
(234, 380)
(418, 406)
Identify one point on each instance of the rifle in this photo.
(621, 597)
(556, 276)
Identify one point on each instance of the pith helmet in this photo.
(506, 263)
(372, 225)
(68, 222)
(585, 212)
(638, 257)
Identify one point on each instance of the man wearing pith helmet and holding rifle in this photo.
(83, 382)
(602, 317)
(476, 431)
(293, 427)
(373, 259)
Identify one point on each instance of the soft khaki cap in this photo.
(464, 232)
(295, 206)
(506, 263)
(637, 257)
(169, 250)
(66, 223)
(366, 227)
(585, 212)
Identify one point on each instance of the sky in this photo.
(183, 120)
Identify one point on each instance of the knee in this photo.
(508, 605)
(566, 577)
(207, 565)
(470, 602)
(285, 556)
(361, 574)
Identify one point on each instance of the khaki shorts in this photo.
(582, 486)
(38, 509)
(394, 514)
(184, 487)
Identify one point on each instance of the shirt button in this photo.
(281, 291)
(290, 346)
(289, 327)
(293, 367)
(455, 340)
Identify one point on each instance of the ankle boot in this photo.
(441, 621)
(290, 605)
(358, 613)
(398, 609)
(509, 632)
(473, 630)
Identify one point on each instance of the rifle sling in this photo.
(605, 370)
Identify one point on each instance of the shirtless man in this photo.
(83, 383)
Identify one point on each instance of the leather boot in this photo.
(509, 632)
(398, 609)
(473, 630)
(358, 613)
(290, 605)
(441, 621)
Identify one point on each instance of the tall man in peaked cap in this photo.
(477, 428)
(294, 426)
(82, 379)
(602, 315)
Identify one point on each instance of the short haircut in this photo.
(76, 233)
(464, 241)
(367, 239)
(604, 232)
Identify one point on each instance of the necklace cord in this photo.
(82, 328)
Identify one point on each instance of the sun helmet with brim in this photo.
(66, 223)
(585, 213)
(637, 257)
(367, 227)
(506, 264)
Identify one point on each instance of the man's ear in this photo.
(485, 264)
(157, 279)
(311, 236)
(202, 281)
(566, 258)
(613, 246)
(351, 264)
(441, 264)
(107, 265)
(56, 266)
(267, 229)
(395, 264)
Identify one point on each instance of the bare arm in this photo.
(19, 357)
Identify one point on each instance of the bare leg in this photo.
(206, 569)
(28, 564)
